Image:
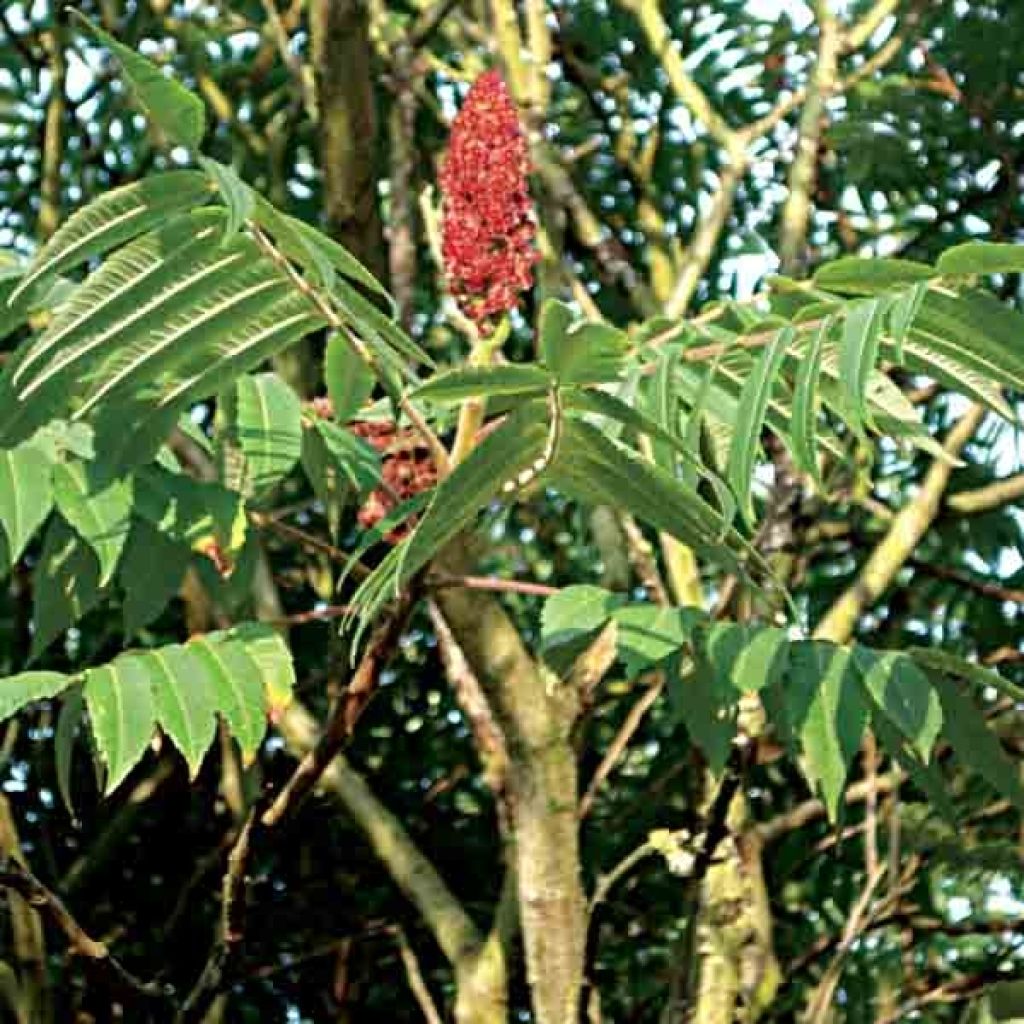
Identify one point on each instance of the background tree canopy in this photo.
(737, 497)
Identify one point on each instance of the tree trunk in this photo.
(344, 87)
(536, 713)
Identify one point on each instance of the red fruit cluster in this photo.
(407, 469)
(488, 224)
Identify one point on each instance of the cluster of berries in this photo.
(407, 469)
(488, 225)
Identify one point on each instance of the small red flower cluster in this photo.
(488, 224)
(407, 469)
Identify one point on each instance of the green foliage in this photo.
(351, 457)
(22, 689)
(26, 495)
(487, 472)
(128, 319)
(188, 300)
(753, 404)
(975, 744)
(112, 220)
(578, 352)
(523, 381)
(240, 674)
(99, 513)
(238, 198)
(819, 695)
(593, 468)
(65, 585)
(571, 620)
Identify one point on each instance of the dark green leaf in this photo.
(113, 218)
(553, 324)
(355, 459)
(902, 314)
(482, 476)
(707, 705)
(975, 744)
(189, 511)
(26, 495)
(238, 198)
(150, 574)
(858, 276)
(805, 405)
(747, 657)
(925, 776)
(178, 113)
(858, 353)
(66, 584)
(588, 354)
(270, 653)
(590, 467)
(647, 635)
(349, 380)
(266, 427)
(238, 689)
(185, 701)
(935, 660)
(603, 404)
(72, 711)
(571, 619)
(472, 381)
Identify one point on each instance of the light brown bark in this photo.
(536, 713)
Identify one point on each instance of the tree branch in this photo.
(689, 92)
(858, 34)
(796, 212)
(417, 984)
(904, 534)
(342, 723)
(634, 717)
(19, 878)
(984, 499)
(536, 714)
(820, 1000)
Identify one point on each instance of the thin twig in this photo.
(984, 587)
(870, 760)
(429, 21)
(307, 540)
(227, 947)
(487, 735)
(622, 739)
(860, 917)
(415, 977)
(991, 496)
(331, 611)
(492, 584)
(291, 62)
(858, 34)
